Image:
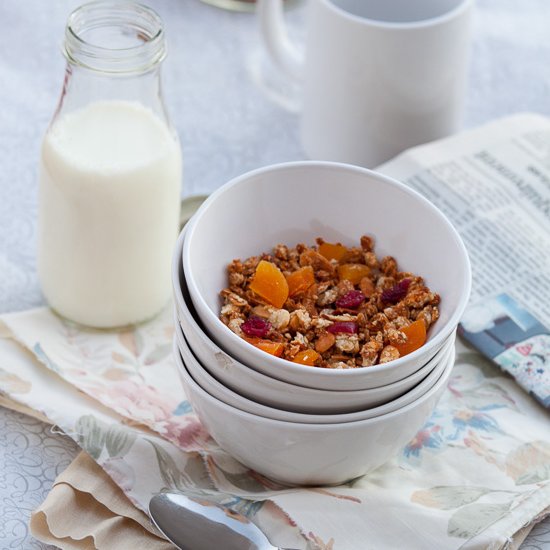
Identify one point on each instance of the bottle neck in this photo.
(115, 38)
(114, 52)
(82, 86)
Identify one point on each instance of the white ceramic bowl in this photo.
(217, 390)
(262, 388)
(297, 202)
(310, 454)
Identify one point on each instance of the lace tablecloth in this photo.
(216, 88)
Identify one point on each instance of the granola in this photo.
(328, 305)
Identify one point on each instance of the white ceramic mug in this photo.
(379, 76)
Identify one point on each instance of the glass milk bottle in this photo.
(110, 172)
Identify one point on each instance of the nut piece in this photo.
(384, 283)
(315, 260)
(233, 299)
(369, 352)
(236, 280)
(320, 323)
(420, 297)
(353, 256)
(327, 297)
(401, 322)
(229, 311)
(389, 353)
(297, 344)
(429, 315)
(325, 342)
(344, 287)
(300, 339)
(394, 336)
(235, 325)
(339, 365)
(396, 311)
(367, 243)
(366, 286)
(388, 266)
(371, 260)
(279, 318)
(347, 343)
(300, 320)
(281, 252)
(343, 318)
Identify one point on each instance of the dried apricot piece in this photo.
(273, 348)
(332, 251)
(306, 357)
(300, 280)
(270, 284)
(416, 337)
(353, 272)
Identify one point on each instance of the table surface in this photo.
(233, 113)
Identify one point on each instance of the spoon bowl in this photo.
(193, 525)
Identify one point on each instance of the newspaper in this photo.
(493, 183)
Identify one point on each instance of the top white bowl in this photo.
(299, 201)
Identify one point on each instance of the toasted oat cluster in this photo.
(328, 305)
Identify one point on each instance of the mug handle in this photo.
(275, 38)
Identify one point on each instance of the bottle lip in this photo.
(134, 22)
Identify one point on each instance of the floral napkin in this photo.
(477, 472)
(85, 510)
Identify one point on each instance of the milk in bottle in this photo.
(109, 195)
(110, 173)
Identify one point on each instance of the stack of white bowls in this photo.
(294, 423)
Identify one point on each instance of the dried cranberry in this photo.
(351, 300)
(256, 326)
(396, 292)
(343, 326)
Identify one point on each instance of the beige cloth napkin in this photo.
(23, 409)
(85, 509)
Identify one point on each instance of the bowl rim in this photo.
(257, 354)
(180, 302)
(429, 380)
(299, 426)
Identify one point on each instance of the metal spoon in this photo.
(191, 525)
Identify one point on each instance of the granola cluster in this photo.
(352, 311)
